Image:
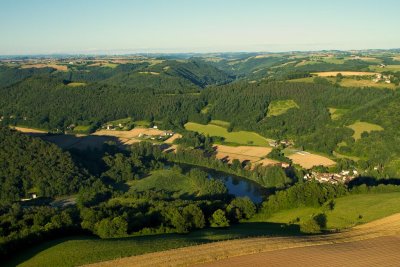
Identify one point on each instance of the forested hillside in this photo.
(30, 165)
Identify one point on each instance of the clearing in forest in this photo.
(279, 107)
(360, 127)
(337, 113)
(240, 137)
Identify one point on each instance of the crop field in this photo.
(29, 130)
(308, 160)
(360, 127)
(240, 137)
(42, 65)
(242, 153)
(280, 107)
(371, 252)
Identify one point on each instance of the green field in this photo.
(349, 82)
(166, 180)
(337, 113)
(280, 107)
(387, 68)
(82, 128)
(224, 124)
(76, 251)
(360, 127)
(82, 250)
(76, 84)
(241, 137)
(347, 210)
(142, 123)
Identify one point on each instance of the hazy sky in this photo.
(124, 26)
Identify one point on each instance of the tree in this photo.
(241, 208)
(315, 224)
(194, 216)
(218, 219)
(116, 227)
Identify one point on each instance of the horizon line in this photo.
(121, 53)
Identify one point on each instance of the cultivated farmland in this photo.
(308, 160)
(242, 153)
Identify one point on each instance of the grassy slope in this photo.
(76, 251)
(347, 210)
(80, 250)
(166, 180)
(241, 137)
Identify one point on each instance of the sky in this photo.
(180, 26)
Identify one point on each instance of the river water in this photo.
(237, 186)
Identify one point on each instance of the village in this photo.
(344, 177)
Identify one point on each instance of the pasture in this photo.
(240, 137)
(279, 107)
(308, 160)
(348, 211)
(165, 180)
(348, 82)
(360, 127)
(386, 68)
(224, 124)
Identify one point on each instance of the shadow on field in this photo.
(153, 243)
